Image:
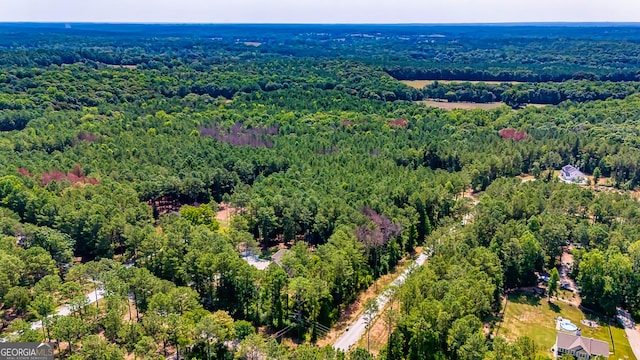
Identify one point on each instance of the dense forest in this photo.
(120, 143)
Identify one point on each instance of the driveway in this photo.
(632, 331)
(566, 262)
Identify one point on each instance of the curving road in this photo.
(92, 297)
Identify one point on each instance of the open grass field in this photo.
(533, 317)
(467, 105)
(419, 84)
(460, 105)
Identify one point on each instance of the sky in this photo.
(320, 11)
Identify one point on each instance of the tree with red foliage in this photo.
(75, 176)
(510, 133)
(399, 123)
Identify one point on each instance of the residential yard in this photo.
(534, 317)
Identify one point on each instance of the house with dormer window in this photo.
(580, 347)
(570, 174)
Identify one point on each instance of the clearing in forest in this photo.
(225, 211)
(130, 67)
(420, 84)
(460, 105)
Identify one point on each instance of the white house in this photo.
(572, 175)
(580, 347)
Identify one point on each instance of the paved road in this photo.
(357, 329)
(630, 328)
(92, 297)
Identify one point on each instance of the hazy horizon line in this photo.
(637, 23)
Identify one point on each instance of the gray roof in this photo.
(591, 346)
(570, 173)
(277, 257)
(571, 170)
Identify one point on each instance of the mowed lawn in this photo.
(525, 315)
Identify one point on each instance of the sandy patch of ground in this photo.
(225, 211)
(538, 105)
(526, 177)
(635, 194)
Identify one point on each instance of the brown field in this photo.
(460, 105)
(419, 84)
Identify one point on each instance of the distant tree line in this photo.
(530, 93)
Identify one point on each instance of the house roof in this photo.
(571, 170)
(591, 346)
(277, 257)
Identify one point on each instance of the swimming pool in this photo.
(567, 325)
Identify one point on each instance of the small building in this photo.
(580, 347)
(277, 257)
(572, 175)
